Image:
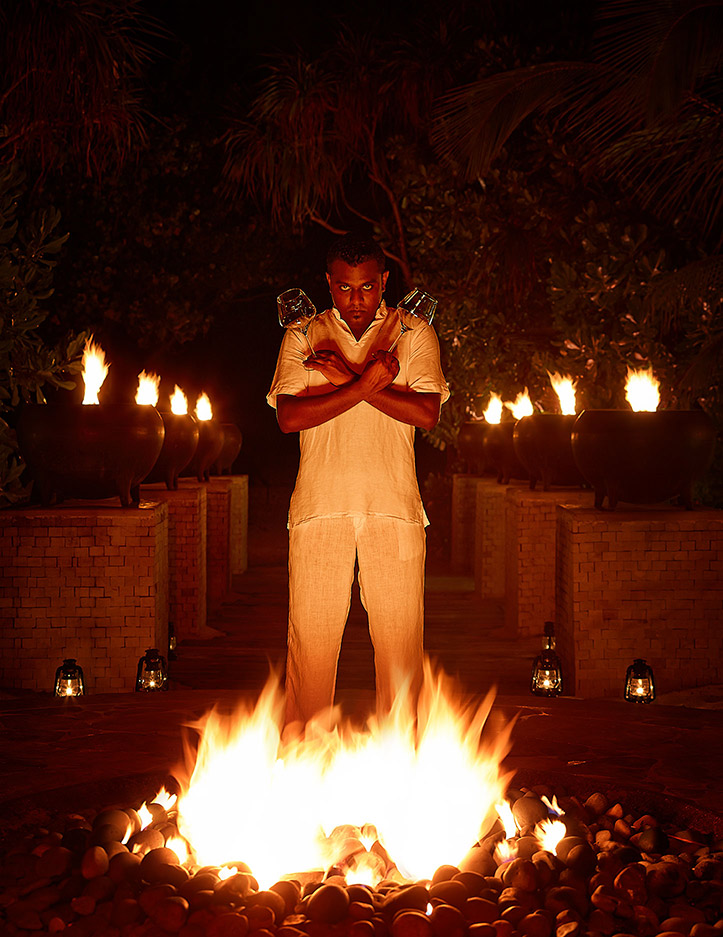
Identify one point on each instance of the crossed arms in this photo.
(347, 389)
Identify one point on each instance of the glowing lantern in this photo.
(95, 370)
(565, 389)
(147, 393)
(546, 669)
(642, 390)
(69, 679)
(639, 682)
(152, 674)
(493, 413)
(179, 402)
(521, 405)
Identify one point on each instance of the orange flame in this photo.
(493, 413)
(642, 389)
(179, 402)
(179, 845)
(565, 389)
(204, 411)
(505, 850)
(549, 833)
(508, 820)
(95, 370)
(428, 752)
(521, 406)
(147, 393)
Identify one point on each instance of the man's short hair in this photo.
(355, 249)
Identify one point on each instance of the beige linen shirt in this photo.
(362, 461)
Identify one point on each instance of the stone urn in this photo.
(470, 445)
(500, 453)
(643, 458)
(543, 445)
(91, 452)
(232, 440)
(179, 446)
(210, 444)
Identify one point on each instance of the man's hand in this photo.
(380, 371)
(332, 365)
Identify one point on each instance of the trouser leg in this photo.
(391, 578)
(322, 554)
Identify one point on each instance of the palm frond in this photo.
(474, 122)
(698, 285)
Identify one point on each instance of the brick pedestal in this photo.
(644, 584)
(489, 542)
(187, 507)
(530, 522)
(87, 582)
(239, 529)
(464, 494)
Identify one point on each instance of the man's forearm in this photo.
(297, 413)
(408, 406)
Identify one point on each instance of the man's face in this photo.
(357, 292)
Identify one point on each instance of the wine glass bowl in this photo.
(296, 311)
(419, 304)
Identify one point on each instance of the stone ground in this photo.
(116, 748)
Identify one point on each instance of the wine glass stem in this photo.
(396, 340)
(308, 342)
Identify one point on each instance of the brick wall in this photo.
(239, 529)
(464, 496)
(530, 521)
(88, 582)
(489, 544)
(187, 507)
(644, 583)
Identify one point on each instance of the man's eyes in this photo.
(344, 287)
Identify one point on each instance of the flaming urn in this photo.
(643, 455)
(232, 440)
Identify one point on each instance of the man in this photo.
(356, 406)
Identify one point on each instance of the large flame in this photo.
(493, 413)
(549, 833)
(420, 774)
(204, 411)
(95, 370)
(147, 393)
(642, 389)
(521, 405)
(565, 389)
(179, 401)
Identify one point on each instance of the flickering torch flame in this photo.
(179, 402)
(493, 413)
(94, 371)
(204, 411)
(642, 390)
(521, 406)
(147, 393)
(366, 794)
(565, 390)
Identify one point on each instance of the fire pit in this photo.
(232, 440)
(542, 865)
(210, 441)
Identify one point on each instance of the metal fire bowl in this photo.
(179, 446)
(210, 444)
(500, 454)
(470, 445)
(232, 440)
(643, 458)
(543, 446)
(94, 451)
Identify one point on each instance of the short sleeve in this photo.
(424, 370)
(290, 377)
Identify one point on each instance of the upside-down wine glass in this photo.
(419, 304)
(296, 311)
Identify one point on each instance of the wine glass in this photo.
(296, 311)
(419, 304)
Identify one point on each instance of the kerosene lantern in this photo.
(547, 669)
(152, 674)
(69, 679)
(639, 682)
